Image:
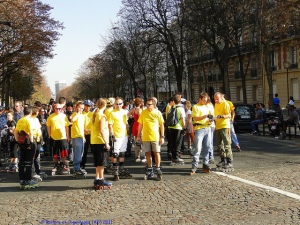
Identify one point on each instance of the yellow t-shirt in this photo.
(77, 129)
(200, 110)
(151, 122)
(222, 108)
(118, 120)
(58, 124)
(96, 137)
(36, 128)
(23, 124)
(88, 116)
(168, 109)
(107, 112)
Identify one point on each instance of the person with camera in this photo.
(202, 118)
(118, 129)
(222, 132)
(100, 142)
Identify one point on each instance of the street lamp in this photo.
(287, 65)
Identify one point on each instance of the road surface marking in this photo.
(269, 188)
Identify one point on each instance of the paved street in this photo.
(178, 199)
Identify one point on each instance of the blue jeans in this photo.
(233, 136)
(78, 145)
(254, 124)
(202, 139)
(211, 146)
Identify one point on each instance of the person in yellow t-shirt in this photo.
(38, 142)
(100, 142)
(118, 129)
(151, 129)
(58, 130)
(24, 136)
(222, 131)
(88, 114)
(110, 102)
(202, 118)
(77, 137)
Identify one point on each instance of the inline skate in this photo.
(149, 174)
(177, 161)
(159, 173)
(124, 173)
(30, 184)
(101, 184)
(80, 173)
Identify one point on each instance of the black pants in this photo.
(87, 144)
(26, 161)
(175, 137)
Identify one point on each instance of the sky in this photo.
(85, 21)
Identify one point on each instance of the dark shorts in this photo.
(60, 147)
(98, 151)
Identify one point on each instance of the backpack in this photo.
(172, 118)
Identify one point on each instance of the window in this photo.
(253, 68)
(255, 93)
(239, 94)
(273, 60)
(274, 87)
(237, 72)
(293, 57)
(295, 88)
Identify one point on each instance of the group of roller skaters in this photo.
(103, 128)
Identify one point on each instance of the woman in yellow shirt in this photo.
(100, 142)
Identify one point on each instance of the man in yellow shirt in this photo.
(202, 118)
(222, 132)
(118, 129)
(58, 130)
(151, 126)
(24, 136)
(77, 137)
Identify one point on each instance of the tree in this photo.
(167, 20)
(28, 35)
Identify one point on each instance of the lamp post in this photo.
(287, 65)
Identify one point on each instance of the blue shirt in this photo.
(2, 120)
(276, 101)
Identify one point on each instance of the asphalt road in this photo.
(263, 189)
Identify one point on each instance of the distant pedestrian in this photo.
(291, 103)
(18, 113)
(276, 103)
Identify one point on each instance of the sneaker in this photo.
(179, 160)
(35, 176)
(143, 160)
(211, 161)
(253, 133)
(137, 160)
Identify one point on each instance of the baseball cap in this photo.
(110, 101)
(88, 102)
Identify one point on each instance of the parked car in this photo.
(244, 114)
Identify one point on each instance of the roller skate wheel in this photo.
(101, 187)
(108, 187)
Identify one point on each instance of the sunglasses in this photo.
(119, 103)
(149, 104)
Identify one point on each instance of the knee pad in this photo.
(115, 154)
(122, 155)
